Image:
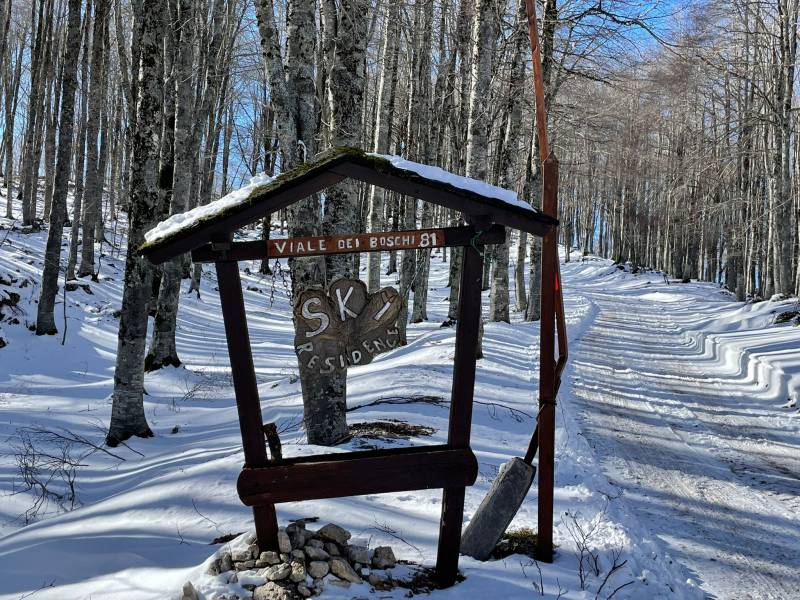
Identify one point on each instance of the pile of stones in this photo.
(306, 561)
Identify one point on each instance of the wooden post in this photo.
(458, 434)
(547, 367)
(246, 388)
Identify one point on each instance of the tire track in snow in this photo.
(664, 433)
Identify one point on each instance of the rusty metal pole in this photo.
(550, 303)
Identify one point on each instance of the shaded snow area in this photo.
(676, 449)
(475, 186)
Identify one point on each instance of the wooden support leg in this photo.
(246, 388)
(547, 368)
(469, 308)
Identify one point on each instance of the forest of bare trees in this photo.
(674, 123)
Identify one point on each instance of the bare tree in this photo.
(45, 320)
(127, 412)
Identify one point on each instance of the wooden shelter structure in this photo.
(208, 233)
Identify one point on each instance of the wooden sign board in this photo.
(345, 326)
(357, 242)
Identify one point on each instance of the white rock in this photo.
(333, 549)
(270, 557)
(318, 569)
(297, 536)
(298, 573)
(342, 569)
(272, 591)
(383, 558)
(316, 553)
(358, 554)
(278, 572)
(334, 533)
(225, 562)
(284, 544)
(188, 592)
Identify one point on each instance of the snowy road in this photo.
(691, 433)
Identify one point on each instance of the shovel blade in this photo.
(498, 508)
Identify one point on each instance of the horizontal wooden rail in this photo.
(358, 473)
(348, 244)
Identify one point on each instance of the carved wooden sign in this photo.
(345, 326)
(356, 242)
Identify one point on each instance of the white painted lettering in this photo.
(383, 310)
(343, 310)
(307, 313)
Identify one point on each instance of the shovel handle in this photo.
(532, 447)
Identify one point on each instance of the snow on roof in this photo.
(458, 181)
(190, 218)
(177, 233)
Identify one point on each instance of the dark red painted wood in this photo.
(547, 369)
(358, 473)
(256, 250)
(241, 216)
(501, 212)
(246, 389)
(458, 434)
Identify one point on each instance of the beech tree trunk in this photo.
(45, 320)
(80, 154)
(326, 402)
(127, 412)
(498, 297)
(383, 128)
(93, 192)
(163, 350)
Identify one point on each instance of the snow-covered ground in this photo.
(690, 401)
(704, 501)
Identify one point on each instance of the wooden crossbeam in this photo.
(358, 473)
(348, 244)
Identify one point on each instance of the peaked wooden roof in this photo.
(477, 201)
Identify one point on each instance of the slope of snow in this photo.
(144, 518)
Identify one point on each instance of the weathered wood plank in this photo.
(238, 217)
(246, 390)
(458, 435)
(358, 473)
(344, 326)
(256, 250)
(546, 423)
(533, 222)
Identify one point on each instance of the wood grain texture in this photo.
(358, 473)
